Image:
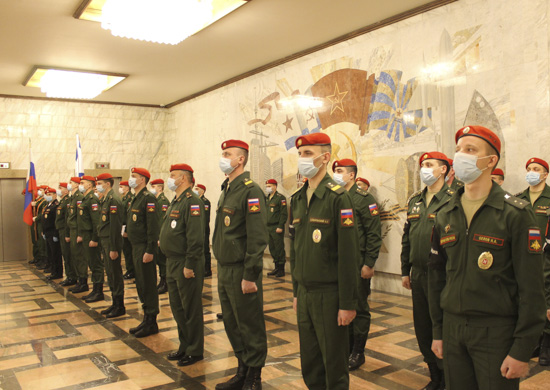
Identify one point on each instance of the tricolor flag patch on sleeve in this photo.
(206, 207)
(164, 207)
(113, 209)
(346, 217)
(78, 202)
(151, 207)
(283, 202)
(195, 210)
(535, 244)
(94, 207)
(373, 208)
(254, 205)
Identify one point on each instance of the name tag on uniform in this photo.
(488, 239)
(322, 221)
(447, 239)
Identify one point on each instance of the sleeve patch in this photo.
(373, 208)
(254, 205)
(164, 207)
(151, 207)
(447, 239)
(94, 207)
(283, 202)
(206, 207)
(535, 245)
(78, 202)
(195, 210)
(346, 217)
(113, 209)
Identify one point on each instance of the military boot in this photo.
(162, 286)
(118, 309)
(97, 294)
(81, 286)
(544, 356)
(253, 379)
(357, 356)
(436, 376)
(236, 382)
(280, 271)
(150, 327)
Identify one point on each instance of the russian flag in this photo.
(78, 167)
(30, 193)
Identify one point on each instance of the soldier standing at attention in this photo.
(362, 184)
(240, 238)
(200, 190)
(162, 203)
(422, 208)
(127, 196)
(182, 241)
(40, 204)
(367, 218)
(277, 215)
(77, 250)
(52, 234)
(498, 176)
(143, 231)
(485, 274)
(63, 229)
(324, 261)
(110, 226)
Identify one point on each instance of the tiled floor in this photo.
(51, 339)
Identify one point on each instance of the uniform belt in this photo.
(481, 321)
(323, 288)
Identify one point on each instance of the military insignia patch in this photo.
(78, 202)
(206, 207)
(316, 236)
(431, 216)
(254, 205)
(488, 239)
(164, 207)
(94, 207)
(283, 202)
(447, 228)
(534, 241)
(173, 224)
(134, 217)
(195, 210)
(151, 207)
(373, 208)
(103, 218)
(447, 239)
(346, 217)
(113, 209)
(227, 220)
(485, 260)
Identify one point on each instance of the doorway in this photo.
(13, 231)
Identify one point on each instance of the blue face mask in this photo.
(465, 166)
(171, 183)
(339, 178)
(132, 182)
(533, 178)
(306, 166)
(225, 165)
(427, 176)
(48, 198)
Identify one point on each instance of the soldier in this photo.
(362, 183)
(498, 176)
(538, 194)
(71, 234)
(143, 232)
(277, 215)
(87, 221)
(200, 190)
(163, 203)
(367, 218)
(182, 241)
(34, 234)
(485, 274)
(127, 196)
(240, 238)
(61, 226)
(422, 208)
(40, 205)
(52, 235)
(109, 228)
(324, 259)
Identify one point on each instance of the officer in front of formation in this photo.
(52, 234)
(277, 215)
(240, 238)
(422, 208)
(71, 234)
(182, 241)
(367, 218)
(157, 189)
(485, 274)
(538, 194)
(498, 176)
(61, 225)
(200, 190)
(142, 226)
(126, 199)
(109, 229)
(324, 261)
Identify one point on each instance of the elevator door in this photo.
(13, 231)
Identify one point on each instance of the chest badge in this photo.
(272, 209)
(104, 218)
(46, 216)
(173, 224)
(447, 228)
(58, 212)
(316, 236)
(227, 220)
(81, 212)
(134, 217)
(485, 260)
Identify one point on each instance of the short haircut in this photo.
(111, 181)
(352, 169)
(326, 149)
(146, 180)
(446, 163)
(242, 152)
(188, 175)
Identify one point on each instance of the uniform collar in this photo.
(321, 188)
(495, 199)
(238, 181)
(439, 194)
(353, 188)
(189, 190)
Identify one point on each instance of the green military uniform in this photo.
(369, 229)
(456, 184)
(77, 249)
(277, 215)
(143, 232)
(34, 237)
(163, 203)
(207, 255)
(61, 226)
(485, 289)
(42, 249)
(324, 260)
(240, 238)
(87, 221)
(126, 245)
(109, 228)
(415, 253)
(182, 241)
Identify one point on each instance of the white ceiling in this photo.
(39, 32)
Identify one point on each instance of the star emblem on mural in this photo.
(337, 99)
(288, 123)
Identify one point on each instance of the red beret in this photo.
(480, 132)
(271, 181)
(44, 187)
(345, 162)
(50, 190)
(497, 171)
(89, 178)
(201, 186)
(142, 172)
(181, 167)
(75, 179)
(313, 139)
(435, 156)
(64, 185)
(157, 181)
(124, 183)
(234, 143)
(538, 161)
(363, 180)
(104, 176)
(451, 161)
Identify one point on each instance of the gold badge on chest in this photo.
(134, 217)
(81, 212)
(316, 236)
(104, 218)
(485, 260)
(447, 228)
(227, 220)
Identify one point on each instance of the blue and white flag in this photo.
(78, 166)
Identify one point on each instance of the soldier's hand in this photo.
(512, 368)
(188, 273)
(248, 287)
(367, 272)
(33, 219)
(345, 317)
(278, 230)
(124, 234)
(295, 304)
(147, 257)
(33, 204)
(67, 239)
(437, 348)
(548, 314)
(92, 244)
(79, 239)
(406, 282)
(113, 255)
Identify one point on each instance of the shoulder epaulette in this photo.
(188, 194)
(248, 181)
(295, 192)
(361, 192)
(414, 195)
(450, 191)
(336, 187)
(515, 201)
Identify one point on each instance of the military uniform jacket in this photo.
(325, 250)
(142, 223)
(126, 200)
(110, 223)
(72, 212)
(417, 232)
(182, 231)
(240, 231)
(48, 219)
(61, 215)
(206, 215)
(277, 211)
(40, 207)
(368, 223)
(162, 203)
(456, 184)
(540, 207)
(491, 270)
(87, 218)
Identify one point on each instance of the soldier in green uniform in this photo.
(240, 238)
(182, 241)
(538, 194)
(362, 183)
(200, 190)
(162, 203)
(498, 176)
(453, 182)
(485, 275)
(62, 228)
(142, 225)
(40, 205)
(367, 219)
(109, 228)
(422, 208)
(277, 215)
(324, 260)
(87, 220)
(126, 198)
(71, 234)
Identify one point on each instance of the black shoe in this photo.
(253, 379)
(280, 271)
(117, 312)
(137, 328)
(207, 273)
(81, 286)
(129, 275)
(188, 360)
(162, 286)
(219, 316)
(97, 295)
(357, 356)
(68, 282)
(175, 355)
(33, 261)
(544, 356)
(236, 382)
(274, 272)
(41, 265)
(48, 270)
(53, 277)
(436, 376)
(149, 328)
(108, 310)
(94, 289)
